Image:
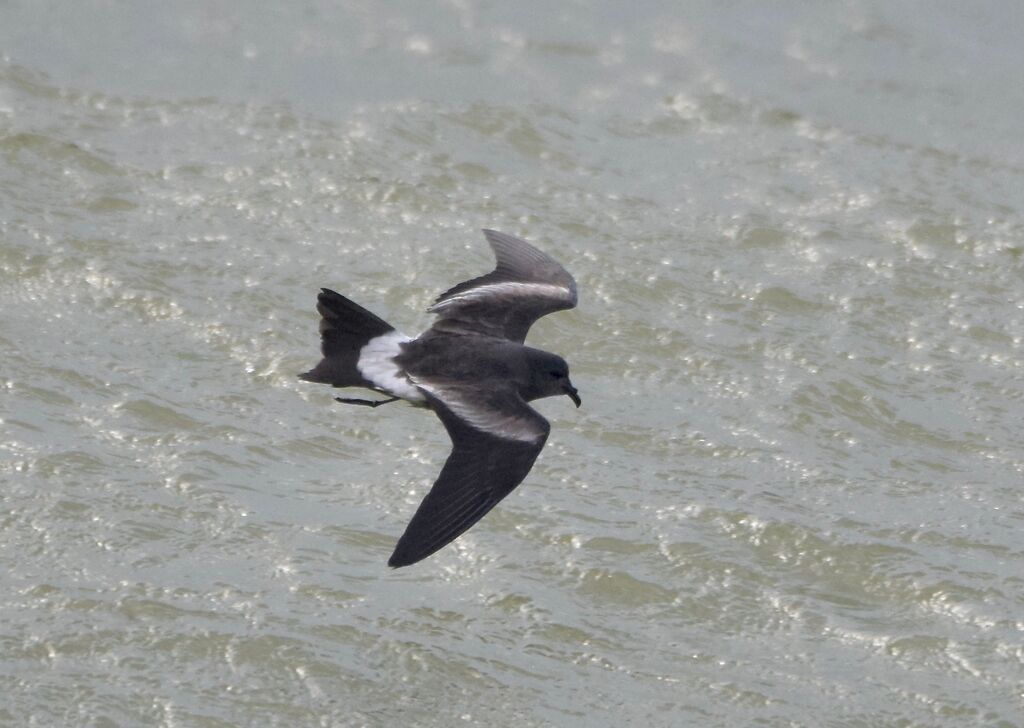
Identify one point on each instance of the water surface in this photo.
(792, 496)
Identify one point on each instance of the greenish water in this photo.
(793, 496)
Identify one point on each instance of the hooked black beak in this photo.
(573, 395)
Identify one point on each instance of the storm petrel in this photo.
(472, 369)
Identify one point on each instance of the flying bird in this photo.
(472, 369)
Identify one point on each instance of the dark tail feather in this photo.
(345, 327)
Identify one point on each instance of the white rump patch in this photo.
(507, 288)
(377, 366)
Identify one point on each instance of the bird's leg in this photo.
(366, 402)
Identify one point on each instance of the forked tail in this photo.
(345, 328)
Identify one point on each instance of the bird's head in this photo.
(550, 377)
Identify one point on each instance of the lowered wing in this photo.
(496, 437)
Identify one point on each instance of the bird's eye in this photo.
(555, 374)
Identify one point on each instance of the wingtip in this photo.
(401, 556)
(397, 562)
(409, 551)
(493, 238)
(496, 237)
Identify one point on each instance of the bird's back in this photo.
(463, 358)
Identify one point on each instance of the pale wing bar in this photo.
(501, 413)
(526, 284)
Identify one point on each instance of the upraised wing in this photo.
(525, 285)
(496, 437)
